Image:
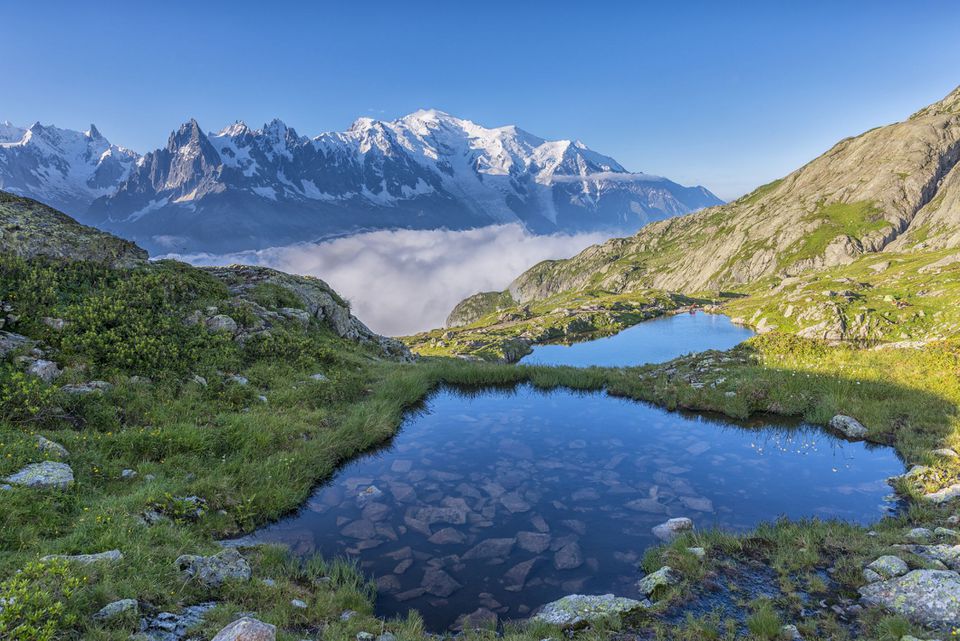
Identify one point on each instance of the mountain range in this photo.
(243, 188)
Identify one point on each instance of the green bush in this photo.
(34, 601)
(22, 398)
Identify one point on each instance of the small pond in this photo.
(508, 499)
(653, 341)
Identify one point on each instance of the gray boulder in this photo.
(848, 426)
(663, 577)
(579, 609)
(91, 387)
(889, 566)
(48, 474)
(52, 448)
(10, 343)
(942, 496)
(110, 556)
(45, 370)
(247, 629)
(212, 571)
(929, 598)
(222, 323)
(117, 609)
(671, 529)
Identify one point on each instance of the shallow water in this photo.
(653, 341)
(508, 499)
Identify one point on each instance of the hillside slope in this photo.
(890, 188)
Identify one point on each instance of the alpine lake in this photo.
(506, 499)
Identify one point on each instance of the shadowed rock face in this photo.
(29, 229)
(891, 188)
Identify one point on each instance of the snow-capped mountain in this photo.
(243, 188)
(63, 168)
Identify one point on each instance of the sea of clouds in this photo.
(402, 282)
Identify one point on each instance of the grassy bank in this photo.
(253, 435)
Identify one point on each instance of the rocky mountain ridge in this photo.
(243, 188)
(891, 189)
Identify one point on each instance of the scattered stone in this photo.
(387, 636)
(247, 629)
(364, 636)
(222, 323)
(578, 609)
(212, 571)
(110, 556)
(920, 534)
(239, 380)
(946, 532)
(949, 555)
(791, 633)
(117, 609)
(942, 496)
(199, 380)
(128, 474)
(568, 557)
(90, 387)
(167, 626)
(926, 597)
(346, 615)
(848, 426)
(889, 566)
(663, 577)
(45, 370)
(946, 452)
(672, 528)
(10, 343)
(50, 447)
(319, 376)
(697, 552)
(48, 474)
(56, 324)
(299, 604)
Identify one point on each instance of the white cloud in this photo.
(402, 282)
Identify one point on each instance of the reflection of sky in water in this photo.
(509, 499)
(653, 341)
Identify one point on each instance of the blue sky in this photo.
(729, 95)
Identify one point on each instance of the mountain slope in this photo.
(63, 168)
(243, 188)
(29, 229)
(884, 190)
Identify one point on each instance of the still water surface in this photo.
(653, 341)
(508, 499)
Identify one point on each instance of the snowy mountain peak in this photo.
(239, 188)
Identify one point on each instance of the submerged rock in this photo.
(926, 597)
(578, 609)
(848, 426)
(481, 618)
(48, 474)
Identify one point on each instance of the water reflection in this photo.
(511, 498)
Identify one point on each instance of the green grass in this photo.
(837, 219)
(253, 461)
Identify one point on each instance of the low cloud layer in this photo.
(403, 282)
